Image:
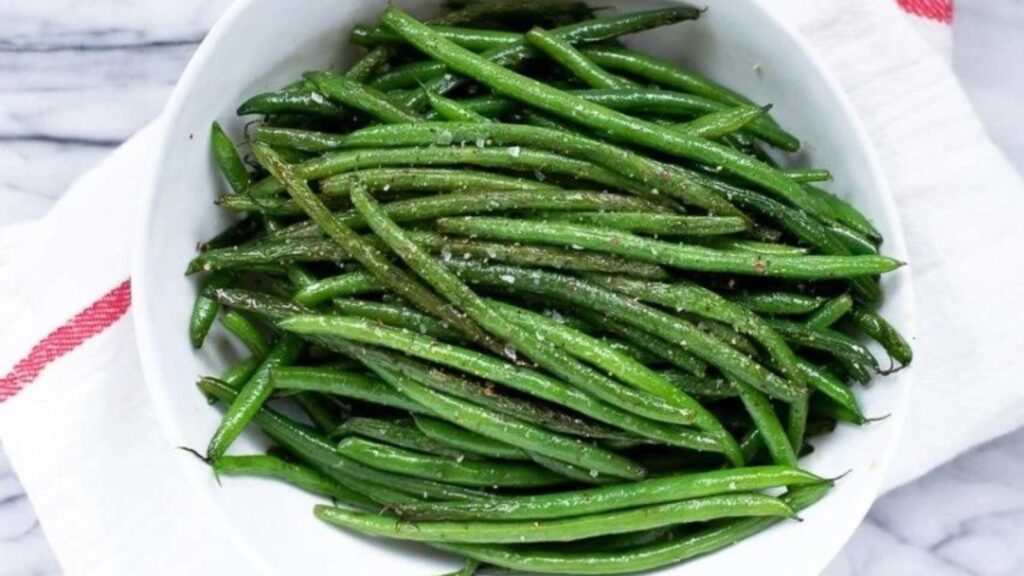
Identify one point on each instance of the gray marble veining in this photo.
(77, 78)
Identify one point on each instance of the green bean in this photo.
(846, 214)
(230, 164)
(528, 381)
(651, 491)
(559, 530)
(751, 444)
(853, 241)
(778, 303)
(348, 284)
(355, 95)
(830, 312)
(204, 310)
(369, 63)
(536, 162)
(295, 474)
(268, 254)
(755, 247)
(251, 397)
(767, 423)
(808, 175)
(661, 348)
(400, 180)
(565, 54)
(844, 348)
(574, 473)
(625, 163)
(475, 39)
(342, 383)
(238, 374)
(647, 223)
(244, 330)
(598, 117)
(373, 259)
(396, 315)
(318, 452)
(303, 99)
(676, 104)
(535, 256)
(622, 367)
(685, 257)
(882, 332)
(621, 308)
(270, 206)
(837, 412)
(695, 299)
(699, 386)
(466, 473)
(796, 423)
(517, 337)
(402, 434)
(829, 386)
(595, 30)
(484, 395)
(267, 306)
(722, 123)
(665, 73)
(323, 415)
(453, 111)
(468, 441)
(714, 537)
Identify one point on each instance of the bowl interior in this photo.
(263, 44)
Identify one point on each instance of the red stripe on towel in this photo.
(938, 10)
(86, 324)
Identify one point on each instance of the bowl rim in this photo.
(148, 349)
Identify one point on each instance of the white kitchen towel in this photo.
(75, 417)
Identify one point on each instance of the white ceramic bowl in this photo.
(263, 44)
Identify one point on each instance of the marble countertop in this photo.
(79, 78)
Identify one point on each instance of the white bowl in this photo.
(263, 44)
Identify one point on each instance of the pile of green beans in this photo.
(523, 285)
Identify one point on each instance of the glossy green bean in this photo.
(624, 309)
(228, 160)
(625, 163)
(476, 39)
(517, 338)
(403, 434)
(846, 214)
(295, 474)
(375, 262)
(755, 247)
(489, 367)
(566, 55)
(342, 383)
(303, 99)
(496, 474)
(204, 310)
(830, 386)
(322, 411)
(574, 473)
(767, 422)
(804, 175)
(700, 386)
(560, 530)
(679, 104)
(853, 241)
(482, 394)
(396, 315)
(251, 397)
(722, 123)
(468, 441)
(534, 256)
(883, 332)
(830, 312)
(268, 254)
(307, 445)
(538, 163)
(647, 223)
(778, 303)
(243, 329)
(651, 491)
(355, 95)
(682, 256)
(696, 299)
(838, 344)
(452, 110)
(265, 305)
(715, 537)
(235, 234)
(348, 284)
(659, 347)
